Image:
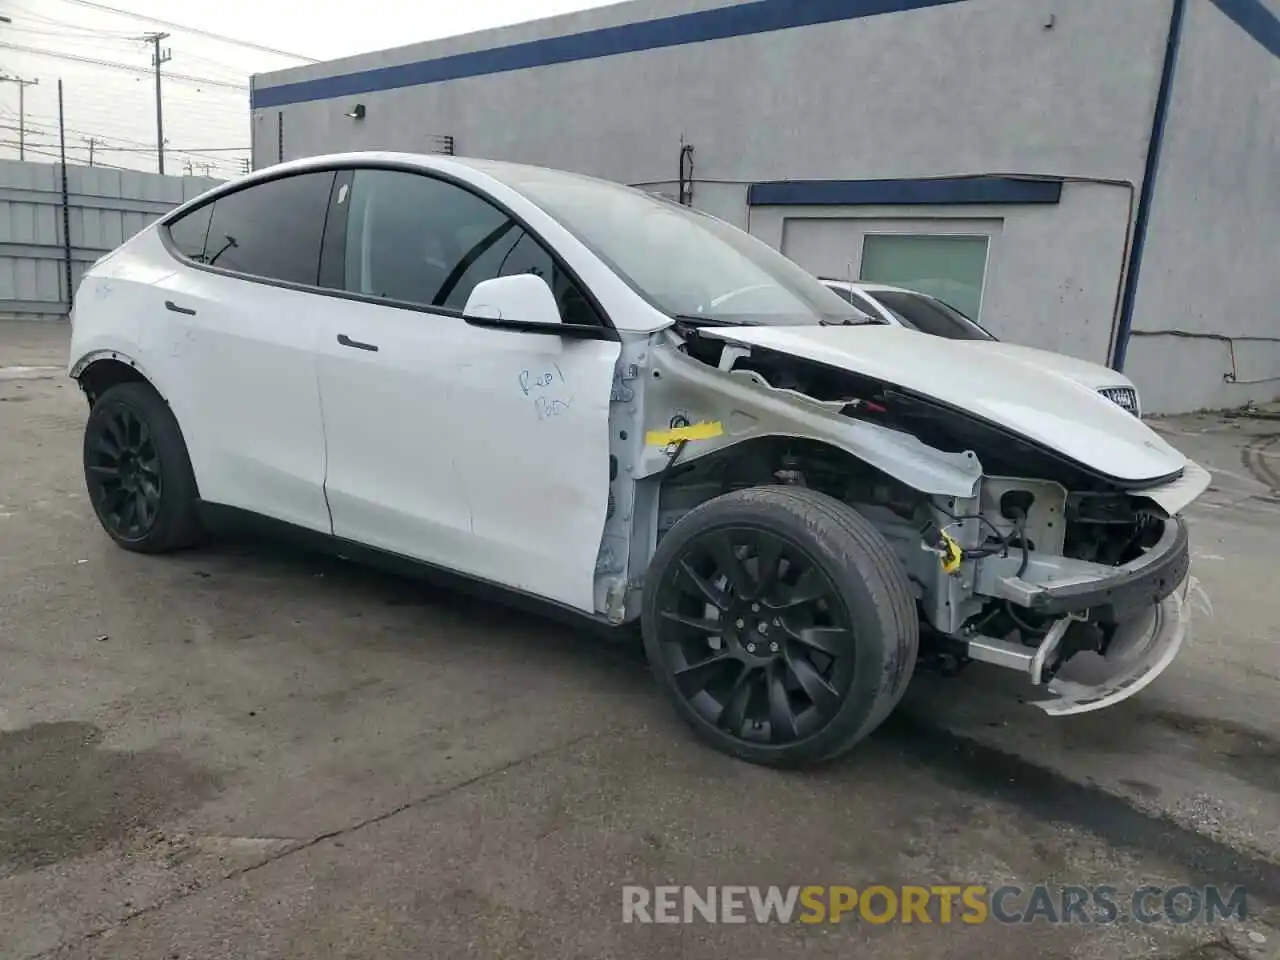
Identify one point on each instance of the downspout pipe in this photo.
(1133, 270)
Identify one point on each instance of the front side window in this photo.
(684, 263)
(270, 230)
(425, 241)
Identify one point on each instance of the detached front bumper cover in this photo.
(1140, 651)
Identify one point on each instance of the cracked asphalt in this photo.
(250, 752)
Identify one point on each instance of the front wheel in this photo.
(781, 624)
(137, 471)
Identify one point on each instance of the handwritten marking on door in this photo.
(548, 389)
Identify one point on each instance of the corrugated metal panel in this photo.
(106, 208)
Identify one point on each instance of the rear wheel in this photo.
(137, 471)
(781, 624)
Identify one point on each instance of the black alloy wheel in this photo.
(123, 466)
(137, 471)
(780, 623)
(758, 640)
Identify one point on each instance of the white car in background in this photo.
(920, 311)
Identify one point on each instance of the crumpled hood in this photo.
(1051, 409)
(1093, 375)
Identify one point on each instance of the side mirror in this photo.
(522, 299)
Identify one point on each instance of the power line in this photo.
(131, 68)
(193, 30)
(102, 147)
(28, 14)
(72, 35)
(46, 153)
(48, 128)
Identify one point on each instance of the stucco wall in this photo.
(1052, 271)
(978, 86)
(1212, 264)
(970, 87)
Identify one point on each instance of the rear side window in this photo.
(271, 230)
(188, 232)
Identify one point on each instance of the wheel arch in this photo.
(740, 407)
(834, 469)
(100, 370)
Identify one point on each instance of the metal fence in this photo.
(104, 207)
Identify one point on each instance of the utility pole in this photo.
(22, 110)
(66, 202)
(91, 141)
(159, 57)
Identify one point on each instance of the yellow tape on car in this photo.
(695, 431)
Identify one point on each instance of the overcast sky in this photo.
(206, 115)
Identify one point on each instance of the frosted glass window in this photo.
(949, 268)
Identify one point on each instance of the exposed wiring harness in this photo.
(1022, 624)
(676, 449)
(938, 540)
(1020, 527)
(958, 519)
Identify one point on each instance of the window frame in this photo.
(172, 244)
(336, 227)
(937, 230)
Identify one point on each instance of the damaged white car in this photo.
(600, 399)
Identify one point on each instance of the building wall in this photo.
(1053, 271)
(1212, 264)
(915, 93)
(939, 88)
(1029, 87)
(106, 207)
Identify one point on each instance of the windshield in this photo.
(684, 263)
(930, 316)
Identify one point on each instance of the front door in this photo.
(476, 449)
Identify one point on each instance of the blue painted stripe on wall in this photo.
(1253, 17)
(949, 190)
(760, 16)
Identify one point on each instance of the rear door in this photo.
(242, 334)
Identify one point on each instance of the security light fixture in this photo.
(357, 112)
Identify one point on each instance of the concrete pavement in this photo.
(245, 751)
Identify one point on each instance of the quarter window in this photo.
(420, 240)
(271, 230)
(188, 232)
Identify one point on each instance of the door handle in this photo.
(170, 305)
(346, 341)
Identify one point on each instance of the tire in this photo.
(134, 454)
(860, 639)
